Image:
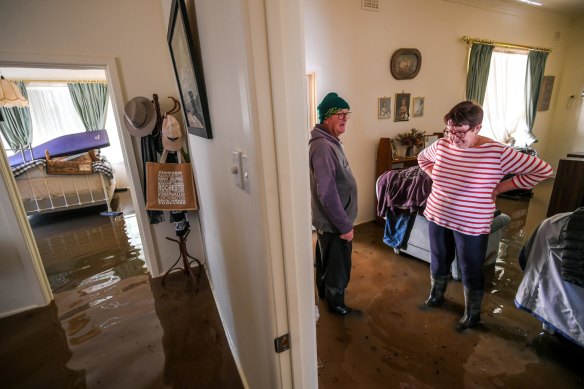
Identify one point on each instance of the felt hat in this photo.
(172, 135)
(139, 116)
(331, 104)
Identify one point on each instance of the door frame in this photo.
(107, 64)
(288, 93)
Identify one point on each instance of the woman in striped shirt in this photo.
(466, 170)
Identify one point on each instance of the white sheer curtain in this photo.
(504, 103)
(52, 113)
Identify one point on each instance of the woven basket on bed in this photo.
(80, 165)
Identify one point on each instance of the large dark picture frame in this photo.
(188, 68)
(405, 64)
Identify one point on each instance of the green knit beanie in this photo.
(330, 105)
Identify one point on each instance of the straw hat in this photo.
(139, 116)
(172, 135)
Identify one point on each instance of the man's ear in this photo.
(479, 127)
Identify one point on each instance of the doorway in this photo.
(75, 237)
(118, 138)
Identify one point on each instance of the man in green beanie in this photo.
(334, 202)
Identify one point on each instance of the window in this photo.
(53, 114)
(504, 103)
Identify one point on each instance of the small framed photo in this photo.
(418, 107)
(384, 107)
(402, 107)
(429, 139)
(394, 154)
(545, 93)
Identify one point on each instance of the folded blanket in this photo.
(19, 169)
(403, 188)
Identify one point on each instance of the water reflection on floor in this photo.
(88, 250)
(397, 344)
(110, 325)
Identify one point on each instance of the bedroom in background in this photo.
(78, 241)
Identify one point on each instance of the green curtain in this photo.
(17, 125)
(90, 100)
(478, 72)
(533, 79)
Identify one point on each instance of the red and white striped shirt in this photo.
(464, 180)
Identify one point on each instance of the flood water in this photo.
(111, 325)
(395, 344)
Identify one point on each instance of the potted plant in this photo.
(410, 139)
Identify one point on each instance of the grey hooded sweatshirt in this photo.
(332, 185)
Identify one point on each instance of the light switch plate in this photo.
(245, 172)
(236, 169)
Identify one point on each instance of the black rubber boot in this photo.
(472, 309)
(438, 288)
(320, 288)
(335, 299)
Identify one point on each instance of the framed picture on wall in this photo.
(384, 108)
(545, 93)
(418, 103)
(188, 69)
(402, 107)
(405, 64)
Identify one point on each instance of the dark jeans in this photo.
(469, 249)
(332, 261)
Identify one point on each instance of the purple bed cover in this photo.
(64, 145)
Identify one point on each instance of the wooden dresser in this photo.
(387, 161)
(568, 191)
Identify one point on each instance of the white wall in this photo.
(19, 286)
(566, 130)
(230, 216)
(234, 220)
(349, 49)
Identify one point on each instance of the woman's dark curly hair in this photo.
(463, 113)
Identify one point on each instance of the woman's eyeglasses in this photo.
(457, 133)
(343, 115)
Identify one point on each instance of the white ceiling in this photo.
(565, 7)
